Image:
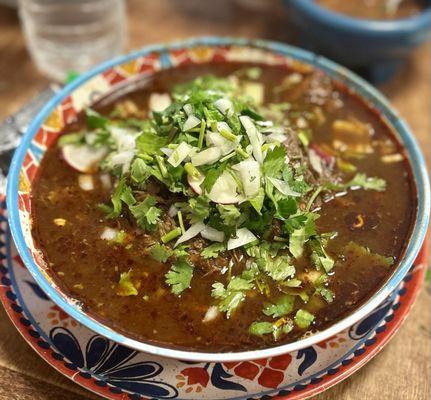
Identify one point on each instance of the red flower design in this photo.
(269, 372)
(195, 377)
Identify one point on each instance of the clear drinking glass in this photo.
(66, 36)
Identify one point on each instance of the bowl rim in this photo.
(384, 28)
(372, 95)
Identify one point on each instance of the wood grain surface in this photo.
(401, 370)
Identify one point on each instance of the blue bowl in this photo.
(357, 42)
(94, 83)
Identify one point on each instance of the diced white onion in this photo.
(207, 156)
(124, 138)
(190, 233)
(225, 106)
(86, 182)
(188, 109)
(211, 314)
(254, 136)
(172, 211)
(179, 154)
(166, 151)
(212, 234)
(266, 124)
(105, 179)
(191, 122)
(315, 161)
(243, 237)
(217, 140)
(124, 159)
(276, 137)
(109, 233)
(159, 101)
(225, 190)
(249, 171)
(283, 187)
(255, 90)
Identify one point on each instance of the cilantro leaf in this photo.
(274, 161)
(260, 328)
(213, 250)
(149, 142)
(95, 120)
(179, 276)
(139, 171)
(319, 257)
(360, 180)
(200, 207)
(145, 213)
(234, 294)
(160, 252)
(229, 214)
(283, 306)
(303, 319)
(126, 286)
(121, 193)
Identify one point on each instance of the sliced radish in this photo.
(86, 182)
(225, 106)
(243, 237)
(191, 122)
(225, 190)
(211, 314)
(109, 233)
(190, 233)
(207, 156)
(212, 234)
(195, 183)
(254, 136)
(283, 187)
(83, 158)
(179, 154)
(159, 102)
(249, 171)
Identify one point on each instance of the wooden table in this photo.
(401, 370)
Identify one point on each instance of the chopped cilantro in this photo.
(146, 213)
(160, 253)
(213, 250)
(179, 276)
(303, 319)
(360, 180)
(229, 213)
(200, 207)
(126, 286)
(283, 306)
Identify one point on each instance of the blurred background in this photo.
(48, 42)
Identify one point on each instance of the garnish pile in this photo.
(221, 183)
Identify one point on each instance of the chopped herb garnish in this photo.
(126, 286)
(303, 319)
(179, 276)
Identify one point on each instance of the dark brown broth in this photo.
(87, 268)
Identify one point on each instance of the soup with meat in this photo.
(376, 9)
(224, 207)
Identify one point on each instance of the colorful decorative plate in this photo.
(117, 372)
